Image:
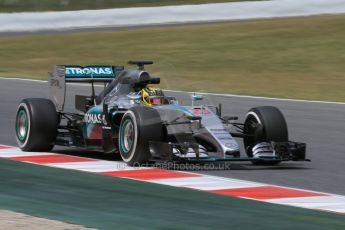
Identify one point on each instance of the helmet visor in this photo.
(154, 100)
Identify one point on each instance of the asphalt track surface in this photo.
(320, 125)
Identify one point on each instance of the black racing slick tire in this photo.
(36, 124)
(139, 126)
(264, 124)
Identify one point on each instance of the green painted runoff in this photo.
(112, 203)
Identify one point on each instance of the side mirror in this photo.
(196, 97)
(228, 119)
(155, 80)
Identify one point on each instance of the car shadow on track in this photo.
(207, 166)
(250, 167)
(277, 167)
(87, 153)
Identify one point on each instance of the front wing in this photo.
(284, 151)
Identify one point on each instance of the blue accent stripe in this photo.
(177, 107)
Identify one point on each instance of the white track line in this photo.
(206, 183)
(330, 203)
(16, 152)
(212, 94)
(96, 166)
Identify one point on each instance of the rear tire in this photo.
(36, 125)
(139, 125)
(267, 124)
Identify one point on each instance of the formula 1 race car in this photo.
(137, 121)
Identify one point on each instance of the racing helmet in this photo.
(152, 97)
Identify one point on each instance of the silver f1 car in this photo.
(137, 121)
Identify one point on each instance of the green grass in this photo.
(289, 58)
(58, 5)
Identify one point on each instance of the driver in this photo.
(152, 97)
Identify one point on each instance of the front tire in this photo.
(139, 126)
(265, 124)
(36, 125)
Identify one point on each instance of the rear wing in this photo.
(63, 74)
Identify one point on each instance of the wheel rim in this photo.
(22, 125)
(127, 136)
(250, 127)
(251, 124)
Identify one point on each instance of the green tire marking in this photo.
(22, 114)
(122, 127)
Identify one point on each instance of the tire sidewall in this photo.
(147, 127)
(23, 106)
(272, 121)
(270, 118)
(129, 115)
(43, 124)
(254, 115)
